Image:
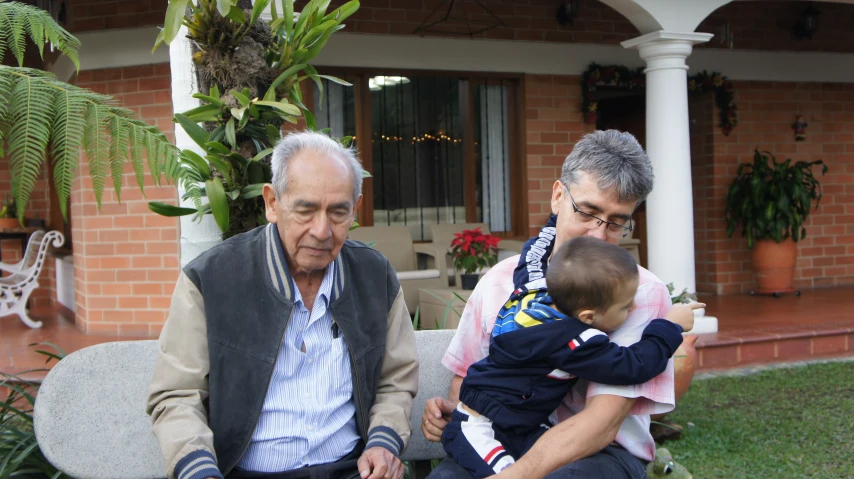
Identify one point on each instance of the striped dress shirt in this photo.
(308, 417)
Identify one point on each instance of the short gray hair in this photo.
(295, 143)
(615, 160)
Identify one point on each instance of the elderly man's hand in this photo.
(380, 463)
(437, 413)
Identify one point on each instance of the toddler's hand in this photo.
(683, 315)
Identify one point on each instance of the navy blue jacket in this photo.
(531, 368)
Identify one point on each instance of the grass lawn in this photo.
(779, 424)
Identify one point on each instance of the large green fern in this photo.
(41, 116)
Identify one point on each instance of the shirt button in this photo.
(305, 458)
(300, 329)
(309, 360)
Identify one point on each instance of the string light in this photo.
(419, 139)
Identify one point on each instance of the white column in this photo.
(670, 206)
(195, 237)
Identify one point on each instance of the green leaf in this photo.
(273, 133)
(252, 191)
(257, 9)
(199, 163)
(174, 17)
(315, 33)
(243, 99)
(28, 137)
(343, 12)
(197, 133)
(69, 112)
(310, 122)
(288, 15)
(274, 14)
(164, 209)
(214, 91)
(218, 202)
(217, 147)
(97, 148)
(281, 106)
(211, 107)
(238, 113)
(224, 6)
(261, 155)
(336, 80)
(236, 15)
(135, 139)
(230, 134)
(271, 92)
(255, 173)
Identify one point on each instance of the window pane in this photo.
(493, 154)
(417, 152)
(336, 109)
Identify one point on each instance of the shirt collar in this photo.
(277, 267)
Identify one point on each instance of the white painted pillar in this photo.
(670, 206)
(195, 237)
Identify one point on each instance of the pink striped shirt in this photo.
(471, 344)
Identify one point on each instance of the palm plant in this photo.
(249, 72)
(42, 117)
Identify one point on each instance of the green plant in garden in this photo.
(258, 67)
(41, 116)
(20, 455)
(772, 200)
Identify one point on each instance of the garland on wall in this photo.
(634, 79)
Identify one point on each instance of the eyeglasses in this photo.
(614, 230)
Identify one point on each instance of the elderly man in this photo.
(601, 431)
(289, 351)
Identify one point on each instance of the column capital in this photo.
(666, 50)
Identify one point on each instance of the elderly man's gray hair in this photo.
(295, 143)
(615, 160)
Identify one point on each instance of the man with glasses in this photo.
(600, 431)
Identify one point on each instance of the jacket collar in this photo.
(277, 267)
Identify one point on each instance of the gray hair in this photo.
(615, 160)
(295, 143)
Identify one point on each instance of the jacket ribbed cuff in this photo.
(199, 464)
(385, 437)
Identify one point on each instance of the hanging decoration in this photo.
(634, 79)
(800, 127)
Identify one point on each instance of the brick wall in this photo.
(762, 25)
(552, 124)
(89, 15)
(769, 25)
(766, 113)
(126, 257)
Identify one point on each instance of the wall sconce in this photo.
(808, 23)
(567, 11)
(800, 127)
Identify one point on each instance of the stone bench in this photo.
(90, 418)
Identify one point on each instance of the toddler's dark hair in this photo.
(585, 273)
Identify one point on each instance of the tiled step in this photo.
(743, 348)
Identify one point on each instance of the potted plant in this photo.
(473, 250)
(771, 202)
(9, 214)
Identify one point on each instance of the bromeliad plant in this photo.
(473, 250)
(772, 200)
(259, 68)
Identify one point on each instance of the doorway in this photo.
(626, 111)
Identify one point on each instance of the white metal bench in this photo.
(15, 289)
(90, 418)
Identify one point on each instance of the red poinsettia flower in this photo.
(472, 250)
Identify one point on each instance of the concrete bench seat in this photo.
(90, 418)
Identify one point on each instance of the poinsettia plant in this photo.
(472, 250)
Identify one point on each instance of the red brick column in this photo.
(126, 258)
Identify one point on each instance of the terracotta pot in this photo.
(684, 365)
(774, 265)
(9, 223)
